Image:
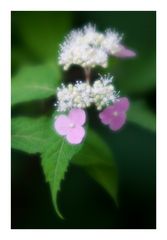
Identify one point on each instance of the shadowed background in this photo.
(35, 39)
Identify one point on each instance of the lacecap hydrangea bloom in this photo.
(89, 48)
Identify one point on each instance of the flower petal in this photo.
(77, 116)
(62, 124)
(122, 104)
(106, 115)
(76, 135)
(117, 121)
(125, 53)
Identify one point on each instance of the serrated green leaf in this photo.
(28, 134)
(96, 158)
(34, 83)
(55, 161)
(38, 136)
(140, 114)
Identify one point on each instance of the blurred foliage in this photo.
(29, 134)
(95, 157)
(35, 75)
(33, 83)
(140, 113)
(39, 34)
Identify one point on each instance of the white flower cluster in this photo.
(103, 92)
(73, 96)
(87, 47)
(83, 95)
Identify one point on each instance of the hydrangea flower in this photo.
(115, 115)
(88, 48)
(82, 95)
(71, 126)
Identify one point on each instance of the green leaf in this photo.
(96, 158)
(55, 161)
(38, 136)
(28, 134)
(140, 114)
(56, 156)
(34, 83)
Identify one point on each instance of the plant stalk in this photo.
(87, 74)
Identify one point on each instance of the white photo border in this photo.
(5, 95)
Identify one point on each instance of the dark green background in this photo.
(35, 39)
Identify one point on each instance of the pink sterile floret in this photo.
(115, 115)
(71, 126)
(125, 52)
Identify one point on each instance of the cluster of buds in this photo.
(103, 92)
(73, 96)
(83, 95)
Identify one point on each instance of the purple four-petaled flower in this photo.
(115, 115)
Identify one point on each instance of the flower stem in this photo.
(87, 74)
